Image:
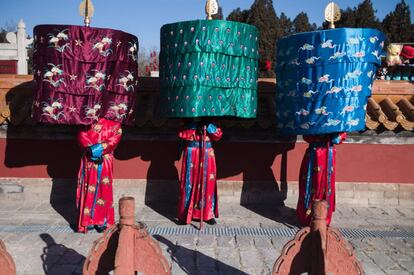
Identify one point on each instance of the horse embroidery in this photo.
(96, 81)
(54, 76)
(54, 110)
(102, 46)
(59, 42)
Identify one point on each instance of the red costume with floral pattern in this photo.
(87, 76)
(191, 199)
(317, 175)
(94, 191)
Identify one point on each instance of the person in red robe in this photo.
(94, 198)
(317, 175)
(194, 202)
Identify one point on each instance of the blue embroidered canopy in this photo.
(208, 68)
(324, 79)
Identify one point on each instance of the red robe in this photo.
(95, 199)
(189, 204)
(318, 182)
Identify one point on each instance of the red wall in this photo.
(8, 66)
(248, 161)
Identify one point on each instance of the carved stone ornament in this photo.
(317, 250)
(126, 248)
(7, 266)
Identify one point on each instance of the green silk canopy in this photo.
(209, 68)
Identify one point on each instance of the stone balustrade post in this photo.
(22, 43)
(13, 55)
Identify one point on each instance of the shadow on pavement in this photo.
(186, 259)
(59, 259)
(63, 200)
(161, 192)
(264, 168)
(60, 158)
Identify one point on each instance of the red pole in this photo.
(327, 173)
(195, 192)
(202, 179)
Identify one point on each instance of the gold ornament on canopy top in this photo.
(332, 14)
(211, 8)
(86, 10)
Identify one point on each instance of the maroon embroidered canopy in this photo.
(83, 73)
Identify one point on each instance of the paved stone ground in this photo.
(53, 252)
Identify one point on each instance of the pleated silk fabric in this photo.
(83, 74)
(209, 68)
(324, 79)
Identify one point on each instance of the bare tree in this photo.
(9, 26)
(147, 61)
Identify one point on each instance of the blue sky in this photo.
(144, 18)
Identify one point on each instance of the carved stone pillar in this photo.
(317, 250)
(126, 248)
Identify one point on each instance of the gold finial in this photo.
(211, 8)
(332, 14)
(86, 10)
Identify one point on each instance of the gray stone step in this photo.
(351, 194)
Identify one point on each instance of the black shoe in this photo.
(211, 222)
(100, 228)
(180, 222)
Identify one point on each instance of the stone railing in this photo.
(13, 55)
